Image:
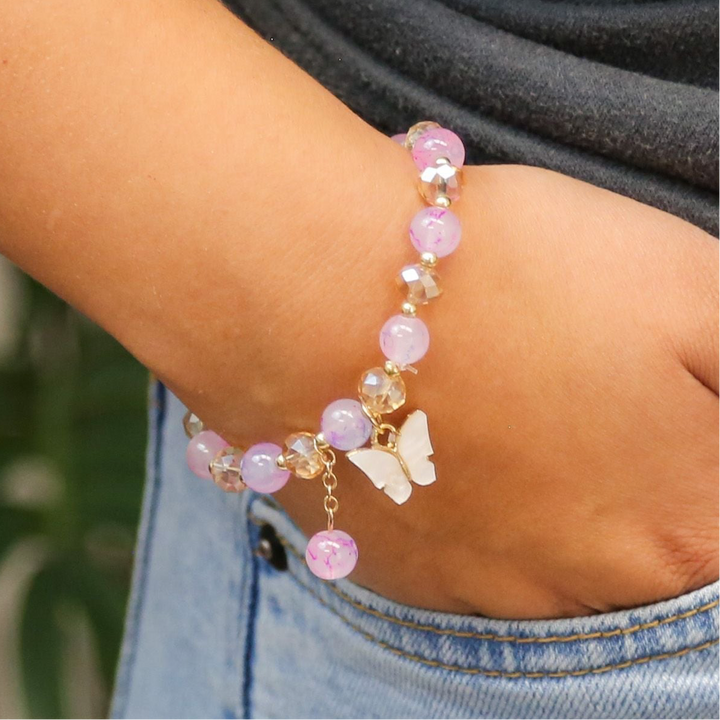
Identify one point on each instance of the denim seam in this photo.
(251, 609)
(515, 675)
(127, 663)
(616, 632)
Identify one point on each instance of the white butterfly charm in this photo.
(391, 467)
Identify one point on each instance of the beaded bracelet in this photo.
(397, 456)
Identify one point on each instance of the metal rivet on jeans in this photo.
(270, 549)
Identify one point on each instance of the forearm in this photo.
(162, 168)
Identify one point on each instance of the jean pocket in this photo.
(324, 649)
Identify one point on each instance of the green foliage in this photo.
(72, 400)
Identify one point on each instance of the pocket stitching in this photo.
(507, 675)
(520, 640)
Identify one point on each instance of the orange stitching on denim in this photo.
(501, 673)
(617, 632)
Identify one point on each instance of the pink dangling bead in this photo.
(399, 138)
(259, 468)
(438, 143)
(331, 554)
(436, 230)
(404, 339)
(201, 451)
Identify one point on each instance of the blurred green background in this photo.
(72, 442)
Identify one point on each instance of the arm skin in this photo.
(236, 227)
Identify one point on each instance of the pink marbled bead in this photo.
(331, 554)
(438, 143)
(399, 138)
(436, 230)
(259, 468)
(345, 425)
(201, 451)
(404, 339)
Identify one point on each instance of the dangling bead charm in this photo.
(331, 554)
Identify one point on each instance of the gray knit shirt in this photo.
(621, 94)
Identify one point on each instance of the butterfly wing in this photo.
(415, 448)
(384, 470)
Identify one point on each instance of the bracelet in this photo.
(397, 456)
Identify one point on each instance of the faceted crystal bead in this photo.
(435, 144)
(381, 392)
(192, 424)
(414, 133)
(440, 183)
(301, 456)
(421, 284)
(331, 554)
(225, 470)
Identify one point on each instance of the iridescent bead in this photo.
(435, 230)
(331, 554)
(225, 470)
(260, 470)
(301, 455)
(399, 138)
(404, 340)
(435, 144)
(417, 130)
(440, 184)
(420, 283)
(192, 424)
(201, 451)
(380, 391)
(344, 425)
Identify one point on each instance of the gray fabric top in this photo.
(618, 93)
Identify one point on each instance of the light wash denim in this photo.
(215, 630)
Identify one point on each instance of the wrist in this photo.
(294, 297)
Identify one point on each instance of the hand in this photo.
(571, 388)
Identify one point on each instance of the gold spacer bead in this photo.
(320, 441)
(391, 368)
(428, 259)
(443, 201)
(408, 309)
(281, 462)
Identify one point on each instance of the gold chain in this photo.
(329, 479)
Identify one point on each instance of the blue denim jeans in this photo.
(216, 630)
